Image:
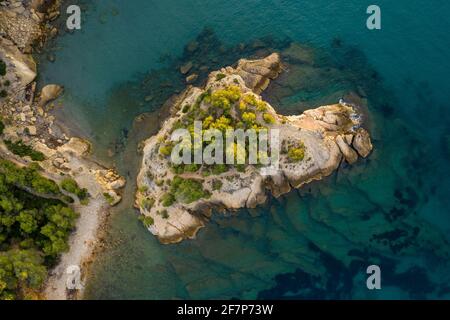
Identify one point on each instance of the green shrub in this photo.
(3, 93)
(268, 118)
(143, 189)
(35, 166)
(178, 168)
(2, 126)
(219, 169)
(68, 199)
(191, 167)
(220, 76)
(250, 99)
(249, 117)
(186, 108)
(164, 214)
(147, 221)
(71, 186)
(216, 185)
(168, 199)
(23, 150)
(165, 150)
(187, 190)
(108, 198)
(147, 203)
(225, 97)
(297, 153)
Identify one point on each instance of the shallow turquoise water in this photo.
(315, 243)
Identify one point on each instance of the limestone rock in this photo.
(350, 155)
(32, 130)
(23, 65)
(76, 146)
(362, 143)
(48, 93)
(184, 69)
(192, 78)
(258, 73)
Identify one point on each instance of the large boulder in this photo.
(350, 155)
(22, 65)
(258, 73)
(50, 92)
(76, 146)
(362, 143)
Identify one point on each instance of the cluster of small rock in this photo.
(25, 22)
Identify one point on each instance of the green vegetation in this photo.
(168, 199)
(182, 168)
(296, 153)
(216, 185)
(143, 189)
(220, 76)
(20, 271)
(33, 230)
(224, 98)
(163, 213)
(268, 118)
(23, 150)
(147, 221)
(28, 178)
(249, 118)
(165, 150)
(186, 108)
(250, 99)
(185, 191)
(223, 109)
(108, 198)
(147, 203)
(3, 93)
(71, 186)
(219, 169)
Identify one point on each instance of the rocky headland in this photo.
(176, 201)
(30, 134)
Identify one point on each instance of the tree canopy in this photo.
(34, 230)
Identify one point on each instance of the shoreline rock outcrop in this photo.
(176, 202)
(26, 121)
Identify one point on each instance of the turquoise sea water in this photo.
(391, 210)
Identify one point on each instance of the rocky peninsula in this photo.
(31, 136)
(176, 201)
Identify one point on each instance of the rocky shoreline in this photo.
(328, 135)
(24, 27)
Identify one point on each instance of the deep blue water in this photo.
(391, 210)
